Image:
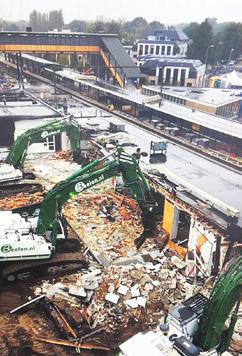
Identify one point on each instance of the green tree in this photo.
(201, 37)
(34, 20)
(137, 26)
(78, 26)
(230, 39)
(114, 27)
(56, 20)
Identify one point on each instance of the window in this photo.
(183, 76)
(163, 50)
(168, 76)
(50, 141)
(140, 50)
(146, 49)
(157, 50)
(152, 49)
(175, 77)
(168, 50)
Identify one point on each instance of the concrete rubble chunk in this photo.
(111, 288)
(157, 267)
(145, 279)
(138, 265)
(96, 272)
(112, 297)
(59, 285)
(156, 283)
(132, 303)
(173, 283)
(88, 281)
(142, 301)
(77, 291)
(135, 292)
(156, 253)
(135, 260)
(163, 274)
(123, 289)
(150, 266)
(89, 296)
(149, 287)
(37, 291)
(176, 261)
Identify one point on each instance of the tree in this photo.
(137, 26)
(153, 26)
(114, 27)
(34, 20)
(56, 20)
(78, 26)
(230, 38)
(201, 37)
(97, 26)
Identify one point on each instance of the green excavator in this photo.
(205, 326)
(37, 238)
(18, 151)
(12, 179)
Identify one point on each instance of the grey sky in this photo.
(166, 11)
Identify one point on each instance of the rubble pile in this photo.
(20, 200)
(104, 225)
(121, 300)
(49, 170)
(65, 155)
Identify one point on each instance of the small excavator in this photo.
(205, 326)
(199, 325)
(12, 179)
(37, 238)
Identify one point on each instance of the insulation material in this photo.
(170, 219)
(201, 246)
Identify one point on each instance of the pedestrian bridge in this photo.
(106, 46)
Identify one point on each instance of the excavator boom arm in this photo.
(225, 295)
(18, 151)
(89, 176)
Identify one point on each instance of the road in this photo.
(221, 182)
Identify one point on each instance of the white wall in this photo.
(23, 125)
(201, 245)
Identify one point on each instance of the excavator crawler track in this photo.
(59, 264)
(23, 187)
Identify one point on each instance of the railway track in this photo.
(226, 161)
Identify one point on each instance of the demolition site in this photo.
(117, 236)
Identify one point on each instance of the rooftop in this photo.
(172, 33)
(152, 61)
(212, 96)
(27, 109)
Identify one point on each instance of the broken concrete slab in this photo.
(156, 283)
(112, 297)
(132, 303)
(142, 301)
(176, 261)
(135, 292)
(77, 291)
(122, 289)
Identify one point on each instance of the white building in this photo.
(24, 113)
(163, 43)
(172, 71)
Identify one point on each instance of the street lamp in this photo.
(206, 59)
(217, 52)
(230, 54)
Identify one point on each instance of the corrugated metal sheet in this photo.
(122, 58)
